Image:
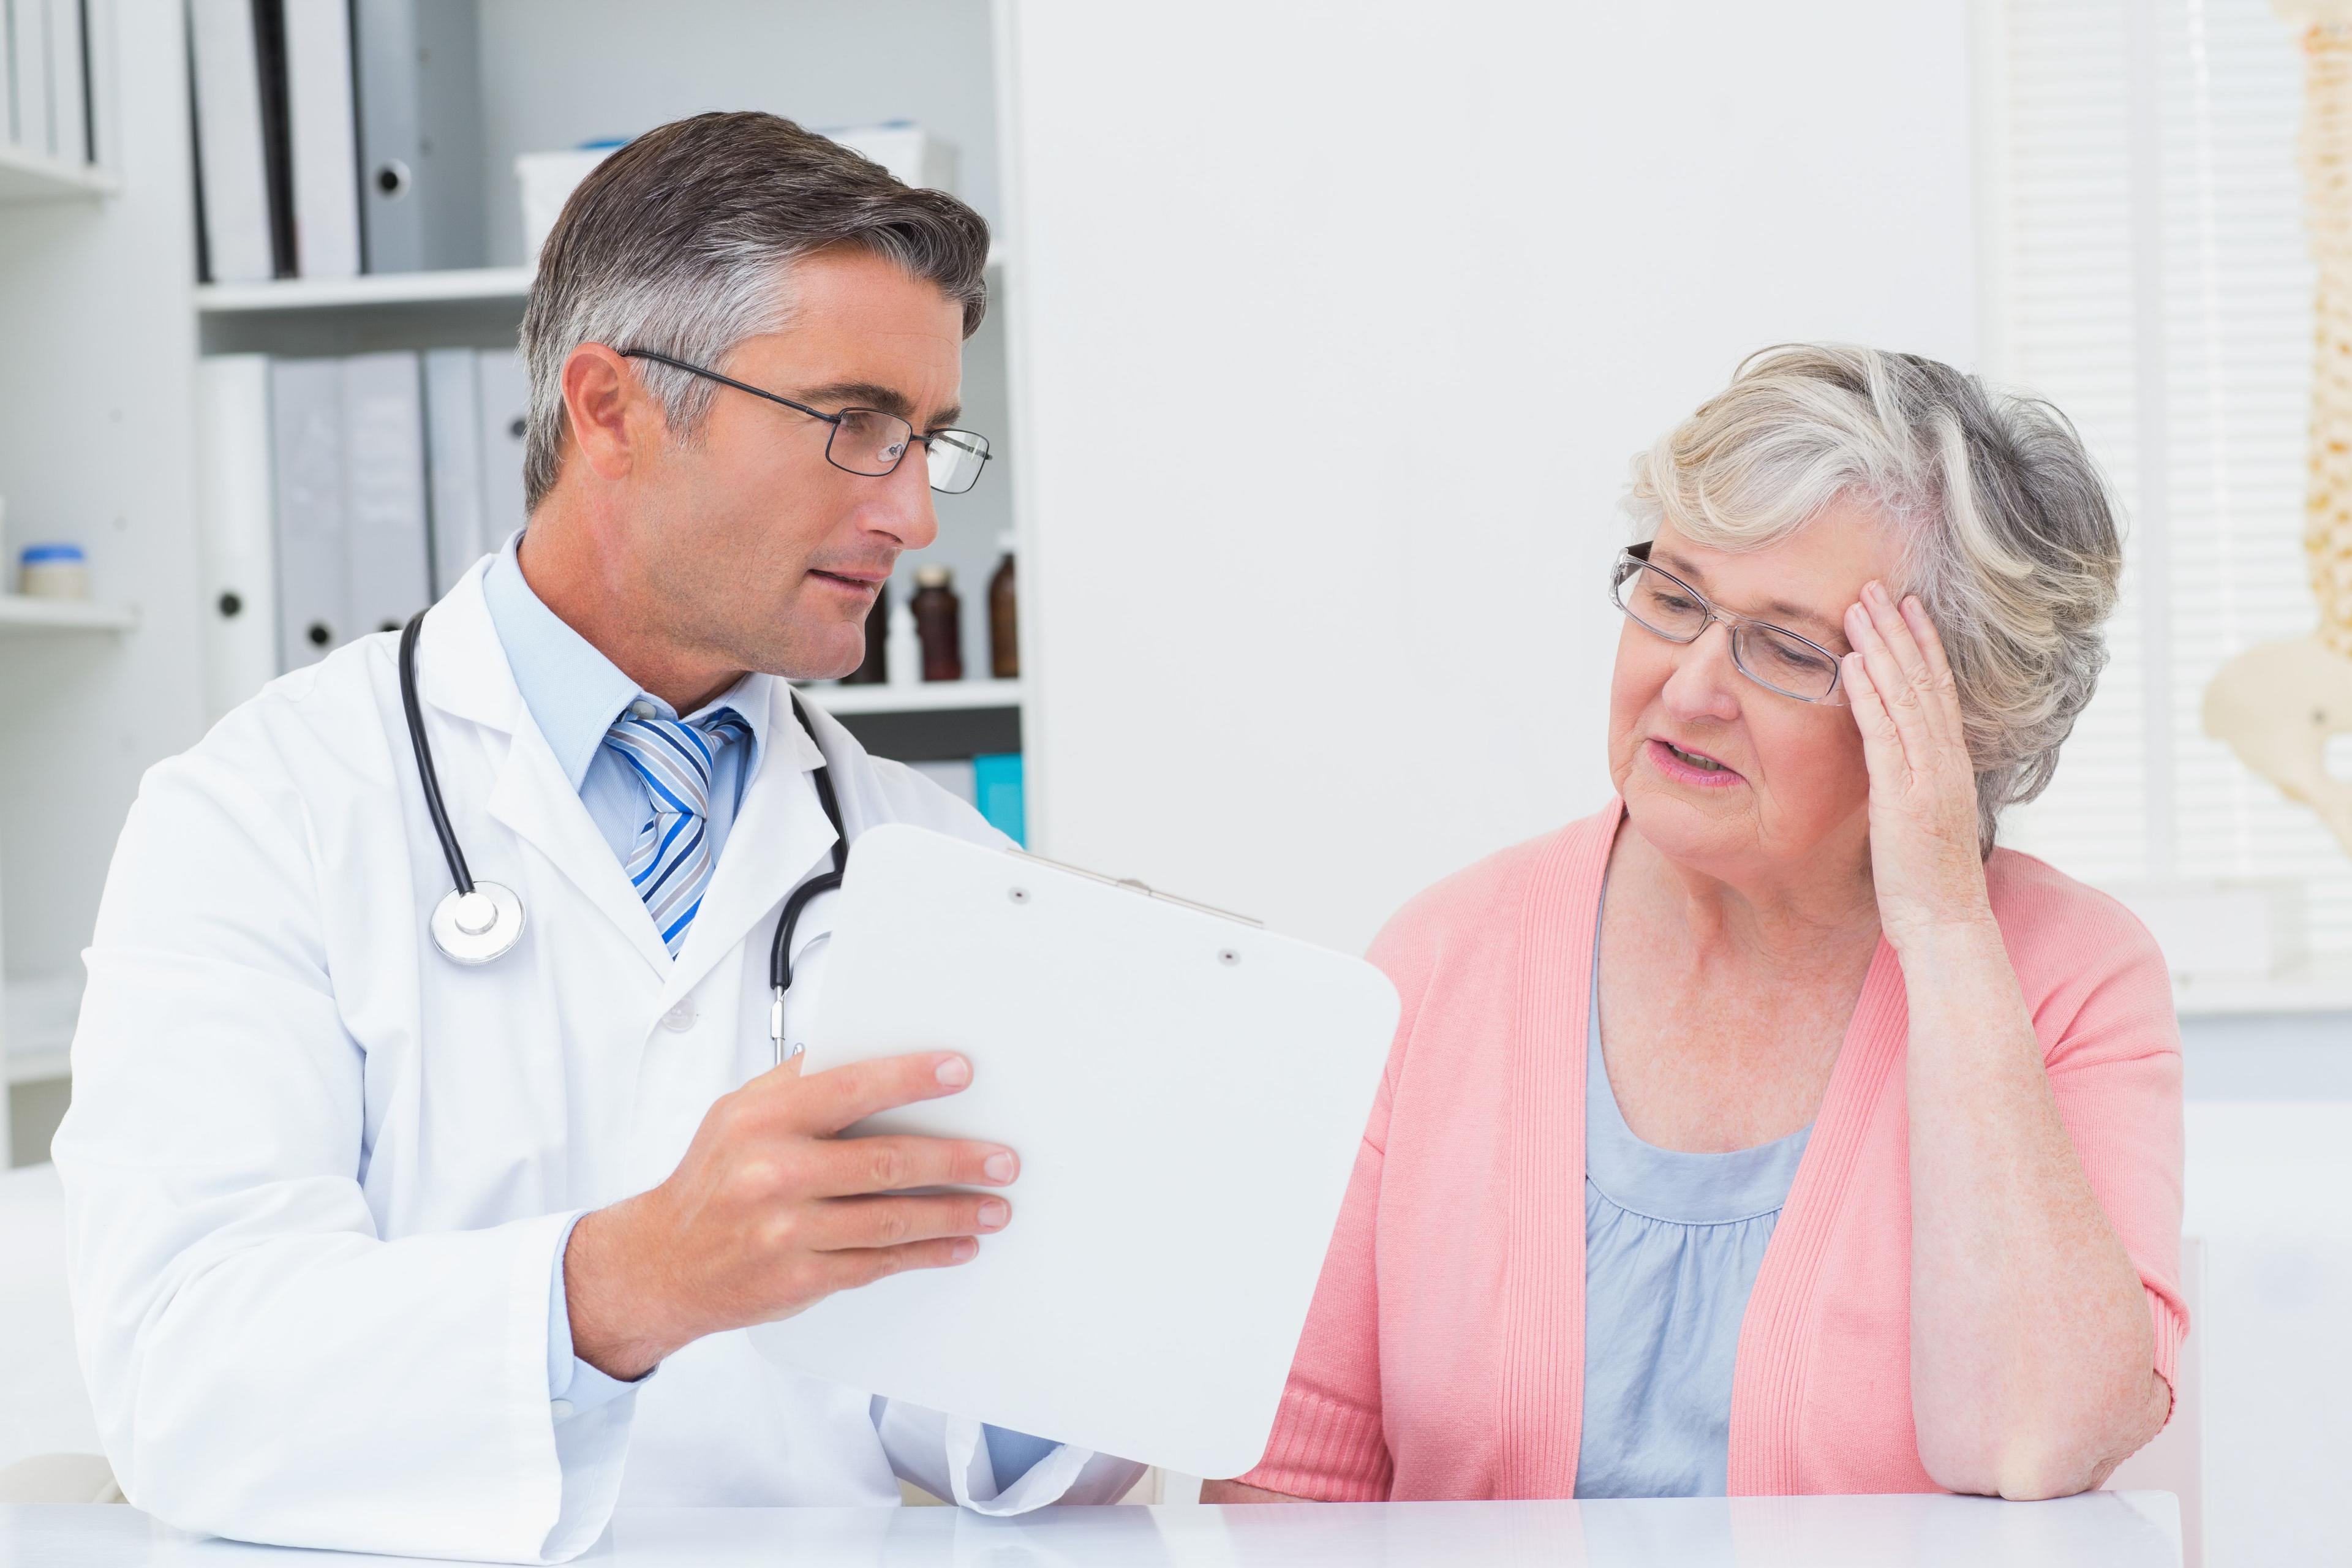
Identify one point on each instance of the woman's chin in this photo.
(1686, 826)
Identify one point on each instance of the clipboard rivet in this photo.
(1019, 895)
(1228, 957)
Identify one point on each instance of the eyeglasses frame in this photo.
(835, 420)
(1640, 555)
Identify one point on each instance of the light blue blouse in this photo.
(1672, 1243)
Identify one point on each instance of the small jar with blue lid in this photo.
(53, 572)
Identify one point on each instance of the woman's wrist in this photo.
(1962, 936)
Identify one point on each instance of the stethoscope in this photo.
(479, 923)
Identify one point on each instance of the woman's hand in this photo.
(1923, 790)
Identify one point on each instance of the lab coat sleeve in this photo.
(947, 1456)
(262, 1363)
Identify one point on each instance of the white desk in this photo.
(2100, 1529)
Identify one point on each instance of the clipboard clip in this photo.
(1133, 885)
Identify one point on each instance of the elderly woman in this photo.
(1876, 1127)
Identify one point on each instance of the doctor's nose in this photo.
(904, 509)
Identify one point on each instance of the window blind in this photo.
(2151, 280)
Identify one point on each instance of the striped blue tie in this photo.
(670, 863)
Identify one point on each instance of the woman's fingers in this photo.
(1944, 692)
(1897, 697)
(1882, 744)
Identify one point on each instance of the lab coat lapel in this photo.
(780, 838)
(462, 668)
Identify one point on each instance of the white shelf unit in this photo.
(386, 290)
(358, 293)
(22, 613)
(105, 320)
(930, 697)
(32, 178)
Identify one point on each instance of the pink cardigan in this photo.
(1444, 1354)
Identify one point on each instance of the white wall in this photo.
(1337, 326)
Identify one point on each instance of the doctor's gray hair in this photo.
(682, 242)
(2010, 536)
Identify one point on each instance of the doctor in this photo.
(377, 1250)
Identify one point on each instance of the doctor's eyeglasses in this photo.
(868, 441)
(1771, 656)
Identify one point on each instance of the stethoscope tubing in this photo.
(780, 953)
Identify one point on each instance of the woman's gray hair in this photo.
(682, 240)
(2009, 537)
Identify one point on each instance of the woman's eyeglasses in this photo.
(866, 440)
(1771, 656)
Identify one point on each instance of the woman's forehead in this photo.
(1810, 574)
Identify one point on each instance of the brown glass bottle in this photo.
(938, 622)
(873, 669)
(1004, 620)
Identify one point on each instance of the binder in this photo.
(453, 464)
(420, 196)
(306, 453)
(505, 393)
(68, 83)
(7, 84)
(322, 140)
(232, 185)
(996, 791)
(28, 25)
(235, 530)
(385, 553)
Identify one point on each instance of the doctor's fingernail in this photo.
(997, 1167)
(955, 1072)
(964, 1251)
(995, 1213)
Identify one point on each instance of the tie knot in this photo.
(674, 757)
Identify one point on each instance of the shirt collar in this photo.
(574, 692)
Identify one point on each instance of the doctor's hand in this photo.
(770, 1212)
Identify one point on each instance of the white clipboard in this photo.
(1187, 1093)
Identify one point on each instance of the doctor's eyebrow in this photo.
(1775, 609)
(841, 395)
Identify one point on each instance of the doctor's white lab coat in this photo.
(317, 1173)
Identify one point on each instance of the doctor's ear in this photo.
(609, 413)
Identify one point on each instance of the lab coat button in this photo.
(679, 1019)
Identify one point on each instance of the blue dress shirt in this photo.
(1673, 1241)
(575, 694)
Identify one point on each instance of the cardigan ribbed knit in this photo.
(1443, 1355)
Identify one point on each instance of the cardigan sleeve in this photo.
(2111, 1046)
(1328, 1442)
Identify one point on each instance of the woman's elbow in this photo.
(2052, 1454)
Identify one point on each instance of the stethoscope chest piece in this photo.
(479, 926)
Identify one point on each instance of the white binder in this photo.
(28, 26)
(420, 133)
(504, 388)
(306, 448)
(69, 106)
(232, 515)
(1187, 1093)
(385, 551)
(453, 464)
(322, 140)
(233, 180)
